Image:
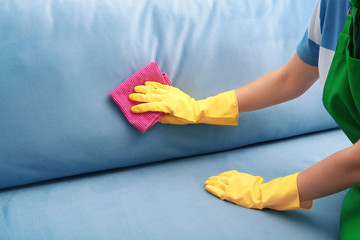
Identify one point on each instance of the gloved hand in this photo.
(182, 109)
(251, 192)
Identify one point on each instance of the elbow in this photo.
(292, 85)
(353, 166)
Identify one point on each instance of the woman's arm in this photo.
(280, 85)
(333, 174)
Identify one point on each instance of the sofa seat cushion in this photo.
(167, 200)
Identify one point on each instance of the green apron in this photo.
(341, 98)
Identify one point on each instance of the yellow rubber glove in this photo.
(182, 109)
(251, 192)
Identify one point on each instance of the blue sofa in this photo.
(72, 167)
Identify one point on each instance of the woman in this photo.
(315, 58)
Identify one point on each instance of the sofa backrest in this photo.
(59, 60)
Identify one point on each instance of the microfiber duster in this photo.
(120, 95)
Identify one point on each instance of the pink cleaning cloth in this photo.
(142, 121)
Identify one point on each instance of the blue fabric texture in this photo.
(167, 200)
(60, 60)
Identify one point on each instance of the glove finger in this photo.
(217, 184)
(157, 85)
(224, 180)
(220, 182)
(221, 179)
(210, 182)
(245, 177)
(148, 97)
(149, 107)
(229, 174)
(216, 191)
(149, 89)
(143, 89)
(213, 178)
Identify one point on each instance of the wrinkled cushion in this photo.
(167, 200)
(120, 95)
(60, 60)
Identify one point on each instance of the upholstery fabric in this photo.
(167, 200)
(60, 60)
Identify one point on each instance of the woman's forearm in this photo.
(283, 84)
(333, 174)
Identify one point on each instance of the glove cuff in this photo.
(283, 194)
(221, 109)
